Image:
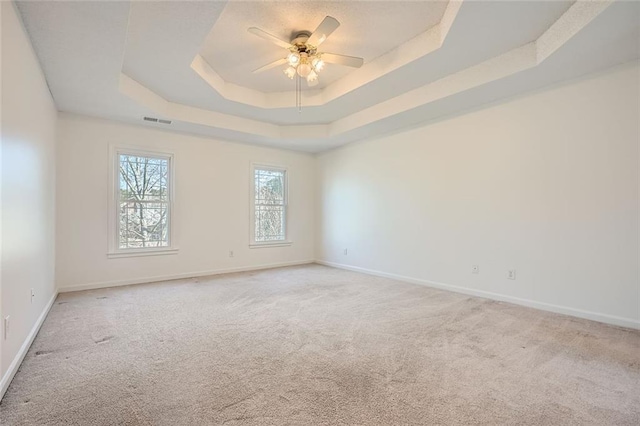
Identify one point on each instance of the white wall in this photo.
(28, 190)
(211, 218)
(546, 184)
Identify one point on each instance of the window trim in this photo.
(252, 207)
(114, 250)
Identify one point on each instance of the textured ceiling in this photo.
(482, 32)
(124, 60)
(368, 29)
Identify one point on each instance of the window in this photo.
(269, 202)
(143, 202)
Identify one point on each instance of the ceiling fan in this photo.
(304, 59)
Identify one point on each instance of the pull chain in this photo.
(299, 93)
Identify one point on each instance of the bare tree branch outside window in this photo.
(143, 202)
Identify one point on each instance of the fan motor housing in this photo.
(300, 41)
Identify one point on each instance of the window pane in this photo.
(143, 201)
(269, 186)
(143, 178)
(269, 201)
(143, 225)
(269, 223)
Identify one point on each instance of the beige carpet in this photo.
(313, 345)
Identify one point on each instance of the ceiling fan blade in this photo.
(271, 65)
(324, 30)
(350, 61)
(273, 39)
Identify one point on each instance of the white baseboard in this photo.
(106, 284)
(594, 316)
(15, 364)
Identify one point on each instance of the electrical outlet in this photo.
(511, 274)
(7, 323)
(475, 269)
(33, 294)
(230, 253)
(345, 252)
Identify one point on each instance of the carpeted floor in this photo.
(313, 345)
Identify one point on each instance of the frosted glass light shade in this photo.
(290, 72)
(293, 58)
(313, 76)
(318, 64)
(304, 70)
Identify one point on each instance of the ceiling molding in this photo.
(237, 93)
(135, 63)
(493, 69)
(514, 61)
(175, 111)
(577, 17)
(421, 45)
(186, 113)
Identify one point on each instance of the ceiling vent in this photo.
(156, 120)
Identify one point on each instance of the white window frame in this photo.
(114, 250)
(252, 207)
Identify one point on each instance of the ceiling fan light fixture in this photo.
(293, 58)
(290, 72)
(303, 59)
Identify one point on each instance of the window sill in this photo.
(271, 244)
(136, 253)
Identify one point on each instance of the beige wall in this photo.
(28, 190)
(212, 185)
(546, 184)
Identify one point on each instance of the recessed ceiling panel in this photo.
(368, 29)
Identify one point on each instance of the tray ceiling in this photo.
(191, 61)
(234, 53)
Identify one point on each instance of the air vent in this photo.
(156, 120)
